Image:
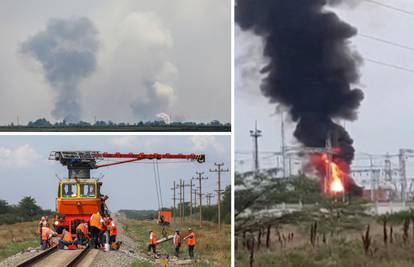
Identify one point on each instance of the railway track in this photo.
(58, 257)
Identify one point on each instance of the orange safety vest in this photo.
(112, 229)
(96, 220)
(83, 228)
(67, 237)
(153, 239)
(191, 239)
(45, 233)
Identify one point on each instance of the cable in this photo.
(156, 184)
(159, 183)
(386, 41)
(389, 65)
(391, 7)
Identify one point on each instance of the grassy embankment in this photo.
(17, 237)
(343, 249)
(212, 248)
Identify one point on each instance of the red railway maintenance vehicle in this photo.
(79, 195)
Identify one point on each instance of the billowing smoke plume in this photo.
(311, 67)
(159, 98)
(67, 52)
(144, 47)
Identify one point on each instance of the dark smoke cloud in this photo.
(67, 53)
(311, 66)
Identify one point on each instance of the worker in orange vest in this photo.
(40, 225)
(152, 243)
(66, 239)
(47, 233)
(96, 222)
(191, 241)
(106, 230)
(82, 236)
(177, 242)
(113, 231)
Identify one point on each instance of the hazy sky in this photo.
(26, 170)
(133, 60)
(385, 117)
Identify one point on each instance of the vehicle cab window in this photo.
(69, 190)
(87, 190)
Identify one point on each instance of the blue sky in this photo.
(25, 169)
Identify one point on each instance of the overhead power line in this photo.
(386, 41)
(385, 64)
(391, 7)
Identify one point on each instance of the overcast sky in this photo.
(385, 117)
(117, 60)
(26, 170)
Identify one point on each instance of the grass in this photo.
(17, 237)
(336, 254)
(343, 250)
(212, 248)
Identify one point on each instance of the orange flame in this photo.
(335, 184)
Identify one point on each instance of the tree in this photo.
(4, 206)
(28, 207)
(39, 123)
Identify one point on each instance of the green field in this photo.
(212, 248)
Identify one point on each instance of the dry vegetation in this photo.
(17, 237)
(212, 248)
(375, 247)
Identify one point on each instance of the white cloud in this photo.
(203, 142)
(134, 143)
(23, 156)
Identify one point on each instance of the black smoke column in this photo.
(310, 66)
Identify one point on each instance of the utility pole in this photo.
(208, 198)
(184, 186)
(174, 199)
(191, 199)
(181, 203)
(199, 178)
(219, 170)
(283, 147)
(255, 134)
(403, 174)
(195, 197)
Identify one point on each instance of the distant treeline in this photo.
(209, 212)
(44, 123)
(140, 214)
(26, 210)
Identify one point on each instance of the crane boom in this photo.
(142, 156)
(79, 163)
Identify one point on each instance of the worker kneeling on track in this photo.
(47, 234)
(66, 239)
(152, 244)
(113, 231)
(82, 234)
